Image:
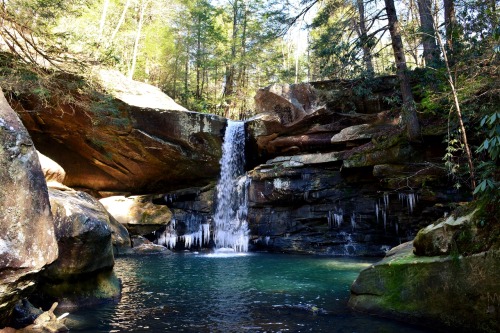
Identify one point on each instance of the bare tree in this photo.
(144, 5)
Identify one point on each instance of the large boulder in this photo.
(138, 213)
(456, 293)
(27, 237)
(82, 274)
(442, 237)
(123, 136)
(289, 103)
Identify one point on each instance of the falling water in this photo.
(230, 226)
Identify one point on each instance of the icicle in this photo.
(411, 202)
(396, 226)
(267, 239)
(384, 217)
(386, 200)
(188, 240)
(376, 211)
(353, 221)
(206, 232)
(170, 239)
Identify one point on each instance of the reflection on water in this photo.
(252, 293)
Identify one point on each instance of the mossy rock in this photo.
(459, 293)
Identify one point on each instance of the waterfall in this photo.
(230, 225)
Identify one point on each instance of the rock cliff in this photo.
(339, 177)
(122, 136)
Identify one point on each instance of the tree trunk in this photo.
(450, 24)
(176, 70)
(408, 112)
(198, 58)
(103, 19)
(186, 70)
(459, 112)
(230, 68)
(120, 22)
(431, 52)
(144, 4)
(363, 36)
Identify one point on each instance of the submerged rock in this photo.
(27, 237)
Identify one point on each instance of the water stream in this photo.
(242, 292)
(230, 226)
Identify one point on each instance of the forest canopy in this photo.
(212, 55)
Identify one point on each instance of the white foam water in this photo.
(230, 225)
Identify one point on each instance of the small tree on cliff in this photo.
(409, 110)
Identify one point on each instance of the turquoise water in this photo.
(246, 293)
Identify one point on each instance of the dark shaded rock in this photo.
(459, 293)
(104, 140)
(27, 237)
(24, 314)
(310, 204)
(120, 237)
(82, 290)
(191, 208)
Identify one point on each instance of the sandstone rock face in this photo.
(53, 172)
(138, 213)
(341, 179)
(82, 274)
(460, 293)
(132, 138)
(27, 237)
(289, 102)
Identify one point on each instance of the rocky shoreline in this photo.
(328, 173)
